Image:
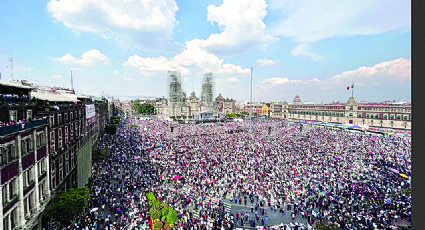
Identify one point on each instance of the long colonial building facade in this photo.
(380, 115)
(46, 140)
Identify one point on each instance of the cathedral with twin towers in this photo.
(178, 105)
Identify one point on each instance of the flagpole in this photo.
(352, 90)
(250, 107)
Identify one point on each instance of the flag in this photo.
(348, 87)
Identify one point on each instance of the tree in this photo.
(100, 154)
(135, 106)
(111, 129)
(146, 109)
(68, 204)
(115, 119)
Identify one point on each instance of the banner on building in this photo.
(90, 114)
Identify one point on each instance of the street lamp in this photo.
(250, 106)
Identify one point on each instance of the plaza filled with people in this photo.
(280, 175)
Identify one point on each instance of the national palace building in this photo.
(380, 115)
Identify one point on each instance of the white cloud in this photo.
(76, 69)
(126, 78)
(242, 27)
(144, 23)
(265, 62)
(89, 58)
(150, 66)
(304, 50)
(233, 79)
(193, 60)
(232, 69)
(57, 76)
(311, 21)
(276, 81)
(397, 70)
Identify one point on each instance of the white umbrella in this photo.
(94, 209)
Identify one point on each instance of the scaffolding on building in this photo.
(207, 95)
(176, 96)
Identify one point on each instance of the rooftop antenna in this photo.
(11, 67)
(72, 82)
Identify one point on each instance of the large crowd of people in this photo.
(349, 180)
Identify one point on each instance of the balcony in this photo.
(19, 127)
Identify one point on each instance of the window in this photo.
(28, 177)
(60, 119)
(60, 168)
(405, 117)
(11, 153)
(30, 144)
(4, 195)
(66, 134)
(51, 120)
(42, 188)
(72, 131)
(13, 189)
(66, 117)
(68, 165)
(41, 140)
(29, 204)
(24, 147)
(52, 142)
(72, 159)
(10, 220)
(6, 222)
(13, 115)
(385, 116)
(359, 115)
(14, 218)
(29, 114)
(398, 117)
(60, 137)
(392, 116)
(53, 174)
(367, 115)
(71, 115)
(350, 114)
(41, 167)
(3, 159)
(377, 116)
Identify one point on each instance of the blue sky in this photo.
(313, 48)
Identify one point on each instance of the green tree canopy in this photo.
(68, 204)
(144, 108)
(111, 129)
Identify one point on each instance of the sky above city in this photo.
(311, 48)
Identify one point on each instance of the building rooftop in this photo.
(53, 97)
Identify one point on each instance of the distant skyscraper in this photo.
(207, 94)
